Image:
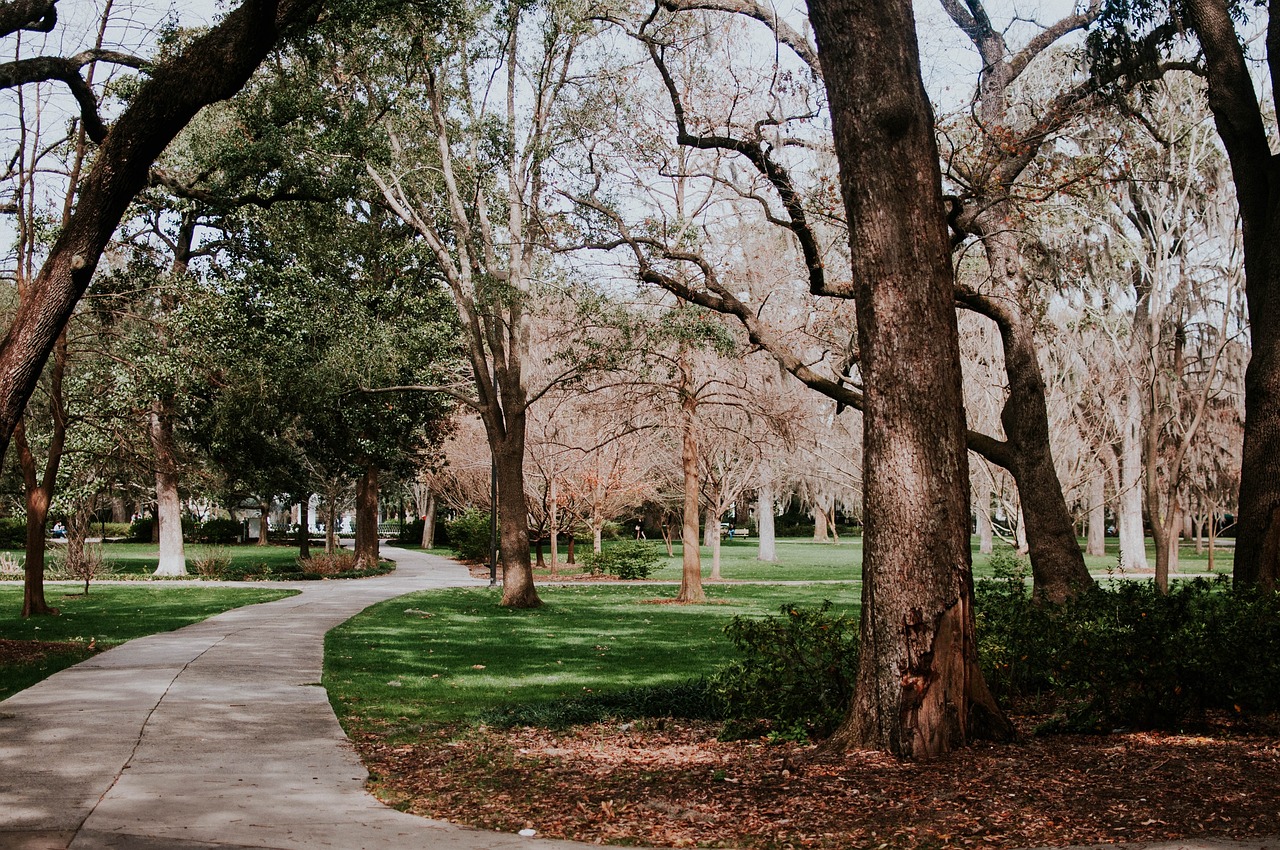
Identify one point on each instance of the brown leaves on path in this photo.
(673, 784)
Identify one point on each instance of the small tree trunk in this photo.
(710, 528)
(1020, 532)
(264, 528)
(554, 524)
(819, 524)
(304, 526)
(569, 555)
(666, 538)
(768, 546)
(330, 526)
(597, 533)
(982, 515)
(715, 549)
(429, 523)
(1096, 543)
(1213, 531)
(367, 519)
(691, 572)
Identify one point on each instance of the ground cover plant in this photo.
(36, 648)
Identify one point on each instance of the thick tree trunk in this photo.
(518, 590)
(820, 524)
(691, 574)
(1096, 544)
(919, 690)
(367, 519)
(768, 548)
(173, 559)
(1241, 125)
(1133, 540)
(710, 528)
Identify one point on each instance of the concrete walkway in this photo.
(214, 736)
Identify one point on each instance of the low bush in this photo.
(410, 532)
(1126, 655)
(140, 529)
(628, 560)
(469, 535)
(211, 561)
(797, 669)
(328, 565)
(220, 532)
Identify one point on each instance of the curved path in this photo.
(214, 736)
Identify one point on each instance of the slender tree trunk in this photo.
(37, 503)
(919, 691)
(710, 528)
(1133, 542)
(1096, 543)
(597, 532)
(714, 519)
(982, 513)
(1020, 532)
(569, 555)
(330, 525)
(429, 523)
(554, 523)
(173, 559)
(537, 545)
(367, 519)
(264, 527)
(768, 547)
(691, 574)
(304, 526)
(1213, 530)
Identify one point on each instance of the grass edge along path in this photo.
(34, 649)
(440, 657)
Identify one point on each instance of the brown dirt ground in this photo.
(27, 651)
(673, 784)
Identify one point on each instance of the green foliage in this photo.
(1128, 656)
(628, 560)
(469, 535)
(140, 529)
(13, 533)
(410, 532)
(796, 669)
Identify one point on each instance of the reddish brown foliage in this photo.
(27, 651)
(673, 784)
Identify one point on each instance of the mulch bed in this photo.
(30, 651)
(673, 784)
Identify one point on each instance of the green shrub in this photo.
(1127, 656)
(797, 669)
(410, 532)
(140, 529)
(219, 532)
(628, 560)
(469, 535)
(13, 533)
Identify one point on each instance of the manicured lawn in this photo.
(109, 615)
(443, 656)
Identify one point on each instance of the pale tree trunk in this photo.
(819, 524)
(714, 519)
(367, 519)
(304, 526)
(1133, 543)
(691, 574)
(1213, 531)
(173, 559)
(768, 547)
(1096, 542)
(429, 523)
(1020, 531)
(982, 514)
(919, 691)
(597, 532)
(710, 528)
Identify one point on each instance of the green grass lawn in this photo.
(443, 656)
(140, 559)
(109, 615)
(802, 559)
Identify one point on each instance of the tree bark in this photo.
(37, 500)
(518, 590)
(304, 526)
(1096, 543)
(553, 510)
(1239, 118)
(429, 523)
(1130, 527)
(213, 66)
(264, 526)
(367, 519)
(919, 691)
(173, 561)
(691, 573)
(819, 524)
